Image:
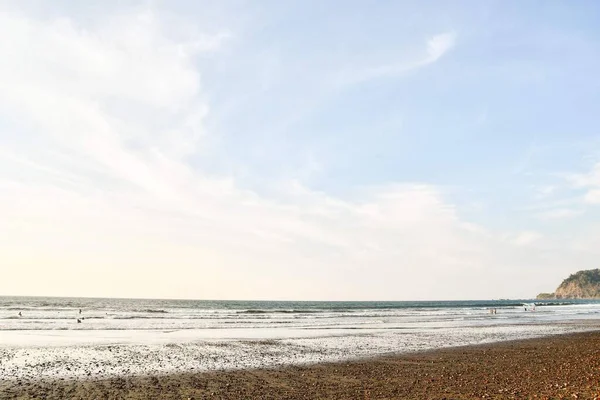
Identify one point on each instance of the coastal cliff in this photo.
(580, 285)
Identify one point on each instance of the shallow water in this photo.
(119, 337)
(268, 319)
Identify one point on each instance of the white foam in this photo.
(160, 336)
(71, 354)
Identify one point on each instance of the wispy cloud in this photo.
(589, 182)
(117, 113)
(559, 213)
(592, 196)
(439, 45)
(545, 191)
(436, 47)
(99, 177)
(525, 238)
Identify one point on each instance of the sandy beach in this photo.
(561, 366)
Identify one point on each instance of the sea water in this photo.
(46, 339)
(279, 318)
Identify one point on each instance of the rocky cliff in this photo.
(581, 285)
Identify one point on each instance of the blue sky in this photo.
(298, 150)
(511, 99)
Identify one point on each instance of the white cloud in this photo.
(437, 47)
(587, 180)
(545, 191)
(590, 182)
(559, 213)
(98, 195)
(526, 238)
(592, 196)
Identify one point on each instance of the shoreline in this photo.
(114, 360)
(562, 365)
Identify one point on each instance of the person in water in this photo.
(20, 315)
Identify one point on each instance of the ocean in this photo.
(113, 335)
(288, 318)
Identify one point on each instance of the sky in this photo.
(298, 150)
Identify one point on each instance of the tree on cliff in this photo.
(580, 285)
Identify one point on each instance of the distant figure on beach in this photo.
(80, 311)
(20, 315)
(78, 321)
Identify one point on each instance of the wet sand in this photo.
(557, 367)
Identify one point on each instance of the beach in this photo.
(125, 337)
(125, 348)
(560, 366)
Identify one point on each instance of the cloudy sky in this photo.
(298, 150)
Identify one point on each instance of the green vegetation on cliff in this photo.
(580, 285)
(545, 296)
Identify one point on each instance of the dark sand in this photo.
(558, 367)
